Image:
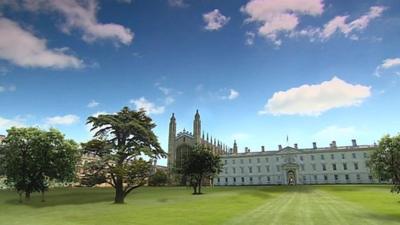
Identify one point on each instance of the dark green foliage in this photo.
(121, 141)
(31, 158)
(159, 178)
(201, 163)
(385, 161)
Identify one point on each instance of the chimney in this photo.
(262, 148)
(296, 146)
(280, 147)
(354, 142)
(333, 144)
(314, 145)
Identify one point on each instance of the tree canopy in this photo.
(122, 141)
(385, 161)
(201, 163)
(31, 158)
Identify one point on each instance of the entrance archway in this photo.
(291, 177)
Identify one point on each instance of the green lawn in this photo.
(336, 205)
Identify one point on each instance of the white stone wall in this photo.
(265, 168)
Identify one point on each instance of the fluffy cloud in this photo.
(312, 100)
(8, 123)
(278, 16)
(250, 38)
(81, 15)
(62, 120)
(215, 20)
(10, 88)
(230, 94)
(387, 64)
(177, 3)
(93, 104)
(149, 107)
(22, 48)
(339, 24)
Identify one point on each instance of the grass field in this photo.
(326, 205)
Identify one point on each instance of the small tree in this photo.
(159, 178)
(33, 157)
(121, 142)
(385, 161)
(201, 163)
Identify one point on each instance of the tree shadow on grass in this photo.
(66, 196)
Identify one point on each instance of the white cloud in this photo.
(250, 38)
(22, 48)
(8, 123)
(339, 24)
(334, 132)
(387, 64)
(278, 16)
(215, 20)
(93, 104)
(10, 88)
(62, 120)
(81, 15)
(177, 3)
(312, 100)
(149, 107)
(233, 94)
(230, 94)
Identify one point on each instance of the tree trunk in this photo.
(119, 192)
(43, 196)
(194, 188)
(27, 196)
(199, 183)
(20, 197)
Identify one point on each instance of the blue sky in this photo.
(315, 70)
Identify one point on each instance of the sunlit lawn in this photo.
(336, 205)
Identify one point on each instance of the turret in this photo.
(197, 127)
(235, 147)
(171, 141)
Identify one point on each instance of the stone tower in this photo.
(171, 141)
(197, 128)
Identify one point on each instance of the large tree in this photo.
(31, 158)
(201, 163)
(385, 161)
(122, 142)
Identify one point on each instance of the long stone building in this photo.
(284, 166)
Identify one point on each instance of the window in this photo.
(251, 179)
(218, 179)
(266, 159)
(354, 155)
(322, 157)
(356, 166)
(277, 159)
(323, 167)
(250, 169)
(344, 166)
(334, 166)
(325, 177)
(302, 167)
(347, 177)
(259, 169)
(258, 160)
(234, 170)
(315, 177)
(226, 180)
(279, 177)
(278, 168)
(234, 179)
(267, 167)
(226, 170)
(314, 167)
(241, 170)
(249, 160)
(370, 177)
(226, 161)
(301, 158)
(304, 178)
(336, 177)
(242, 179)
(358, 176)
(343, 157)
(365, 155)
(312, 157)
(268, 179)
(241, 161)
(233, 161)
(332, 156)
